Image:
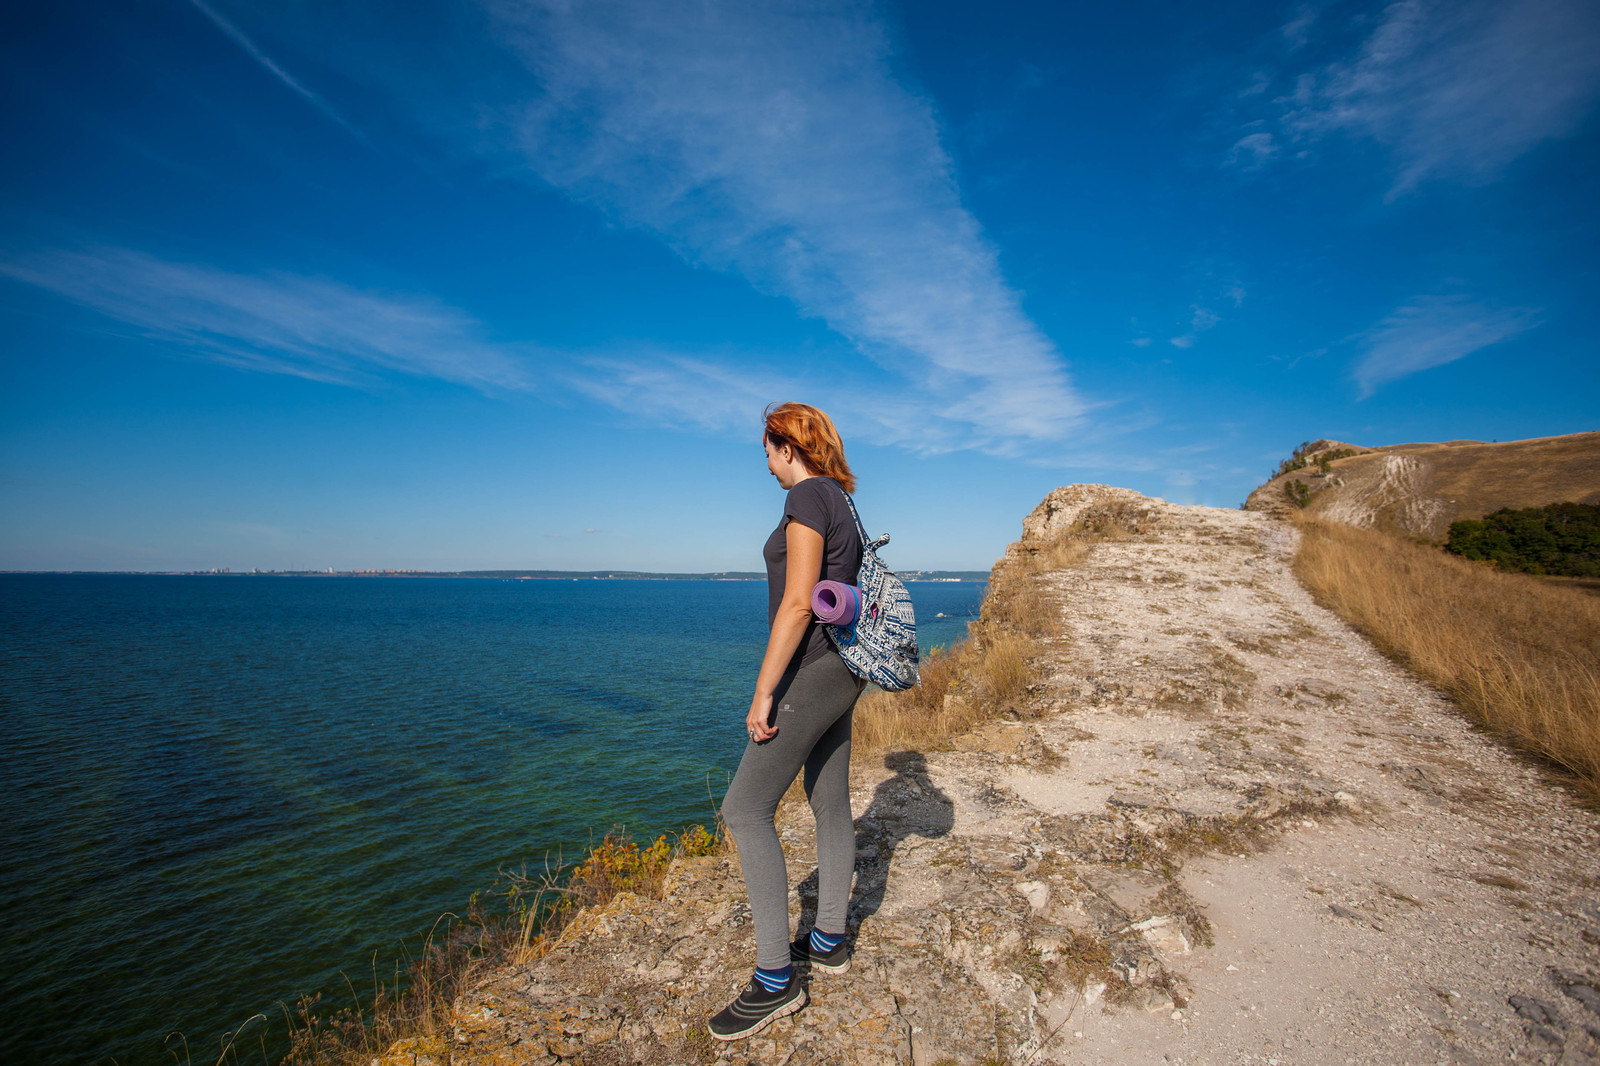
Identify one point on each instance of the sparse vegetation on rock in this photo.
(1321, 452)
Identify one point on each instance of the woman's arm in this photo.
(803, 572)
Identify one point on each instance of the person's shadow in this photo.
(907, 804)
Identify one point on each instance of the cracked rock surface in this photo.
(1226, 830)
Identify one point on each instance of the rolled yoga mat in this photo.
(835, 603)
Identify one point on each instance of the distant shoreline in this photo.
(945, 576)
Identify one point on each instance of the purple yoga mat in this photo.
(835, 603)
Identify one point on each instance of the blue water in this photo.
(221, 792)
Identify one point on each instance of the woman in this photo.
(799, 717)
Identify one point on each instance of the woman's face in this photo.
(781, 463)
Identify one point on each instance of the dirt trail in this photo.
(1234, 833)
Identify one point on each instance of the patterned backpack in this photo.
(881, 645)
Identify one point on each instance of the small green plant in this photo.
(1299, 492)
(697, 841)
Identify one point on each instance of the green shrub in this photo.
(1296, 461)
(1560, 539)
(1304, 456)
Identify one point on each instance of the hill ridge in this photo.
(1418, 489)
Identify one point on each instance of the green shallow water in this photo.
(221, 793)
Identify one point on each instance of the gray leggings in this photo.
(813, 720)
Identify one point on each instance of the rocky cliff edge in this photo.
(1226, 830)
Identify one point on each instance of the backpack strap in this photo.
(867, 543)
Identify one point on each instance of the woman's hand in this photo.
(756, 721)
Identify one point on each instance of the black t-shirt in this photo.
(818, 503)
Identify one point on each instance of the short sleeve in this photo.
(808, 505)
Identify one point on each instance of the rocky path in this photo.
(1228, 831)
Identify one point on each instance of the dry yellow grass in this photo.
(1062, 553)
(982, 677)
(1016, 603)
(1477, 478)
(974, 681)
(1521, 656)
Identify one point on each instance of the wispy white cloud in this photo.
(238, 37)
(1251, 151)
(323, 330)
(1260, 82)
(727, 396)
(771, 139)
(1297, 30)
(1201, 318)
(1431, 331)
(677, 389)
(1454, 88)
(680, 390)
(774, 140)
(276, 322)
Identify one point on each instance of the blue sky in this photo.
(472, 285)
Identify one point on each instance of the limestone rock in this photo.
(1070, 505)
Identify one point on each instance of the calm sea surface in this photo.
(221, 792)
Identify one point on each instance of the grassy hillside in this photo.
(1419, 489)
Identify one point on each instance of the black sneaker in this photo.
(756, 1008)
(834, 961)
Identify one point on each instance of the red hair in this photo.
(809, 432)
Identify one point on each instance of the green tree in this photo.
(1561, 539)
